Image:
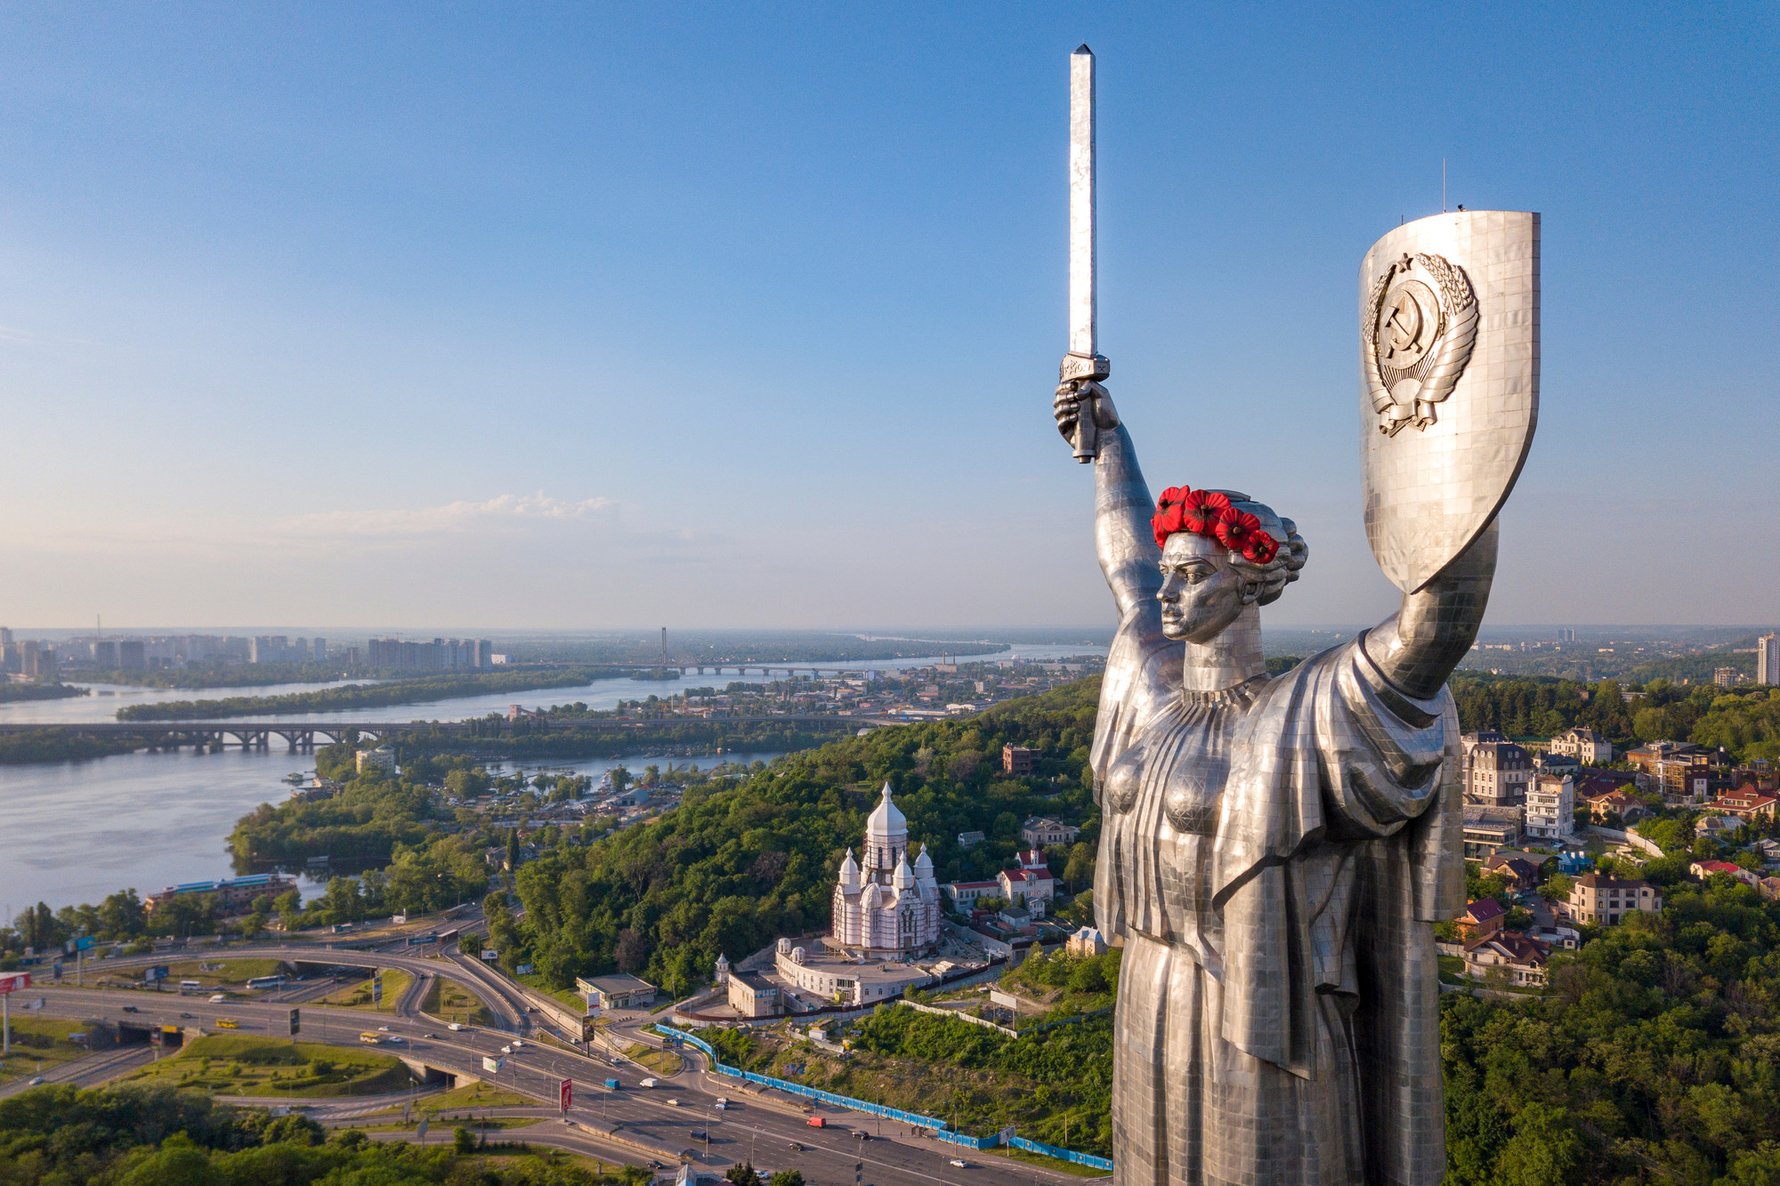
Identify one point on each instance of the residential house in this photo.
(1746, 803)
(1704, 869)
(1017, 759)
(1029, 884)
(1521, 873)
(1497, 774)
(1481, 919)
(1487, 829)
(1601, 900)
(1520, 958)
(1551, 807)
(1044, 832)
(1085, 941)
(1583, 744)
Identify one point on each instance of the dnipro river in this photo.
(73, 832)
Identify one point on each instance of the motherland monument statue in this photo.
(1274, 852)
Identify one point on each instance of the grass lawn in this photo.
(39, 1043)
(358, 995)
(476, 1095)
(450, 1001)
(662, 1062)
(227, 971)
(227, 1064)
(474, 1098)
(1050, 1163)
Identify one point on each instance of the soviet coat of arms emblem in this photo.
(1418, 338)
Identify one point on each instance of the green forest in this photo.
(743, 861)
(1746, 721)
(1654, 1057)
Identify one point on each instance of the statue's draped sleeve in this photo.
(1339, 841)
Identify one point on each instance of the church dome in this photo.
(885, 819)
(905, 876)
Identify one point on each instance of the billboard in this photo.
(565, 1094)
(12, 981)
(155, 974)
(491, 1064)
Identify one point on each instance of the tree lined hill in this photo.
(743, 861)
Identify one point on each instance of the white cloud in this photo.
(450, 518)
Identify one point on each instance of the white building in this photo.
(1585, 745)
(1029, 884)
(1551, 807)
(1767, 659)
(885, 906)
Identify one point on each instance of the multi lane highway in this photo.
(677, 1119)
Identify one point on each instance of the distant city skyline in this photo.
(555, 319)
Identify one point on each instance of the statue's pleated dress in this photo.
(1270, 857)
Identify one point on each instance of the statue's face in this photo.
(1201, 593)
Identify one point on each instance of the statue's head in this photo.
(1221, 553)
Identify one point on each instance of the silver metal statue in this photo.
(1274, 852)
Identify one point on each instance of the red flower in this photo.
(1234, 527)
(1260, 547)
(1201, 511)
(1173, 496)
(1165, 523)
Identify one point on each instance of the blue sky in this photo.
(723, 315)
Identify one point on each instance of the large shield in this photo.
(1449, 380)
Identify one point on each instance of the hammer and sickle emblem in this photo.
(1401, 328)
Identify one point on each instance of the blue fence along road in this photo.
(940, 1129)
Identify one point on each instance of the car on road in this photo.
(217, 998)
(383, 1029)
(131, 1009)
(647, 1082)
(34, 1081)
(185, 1016)
(699, 1134)
(507, 1049)
(434, 1037)
(722, 1103)
(959, 1162)
(794, 1146)
(673, 1103)
(457, 1025)
(518, 1044)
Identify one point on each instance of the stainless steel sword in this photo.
(1084, 360)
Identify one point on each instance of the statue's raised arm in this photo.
(1122, 506)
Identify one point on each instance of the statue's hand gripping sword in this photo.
(1083, 363)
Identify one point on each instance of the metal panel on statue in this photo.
(1449, 380)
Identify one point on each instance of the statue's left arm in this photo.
(1417, 647)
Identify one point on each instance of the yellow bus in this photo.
(371, 1039)
(227, 1023)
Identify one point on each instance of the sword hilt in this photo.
(1090, 368)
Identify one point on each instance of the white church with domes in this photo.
(885, 905)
